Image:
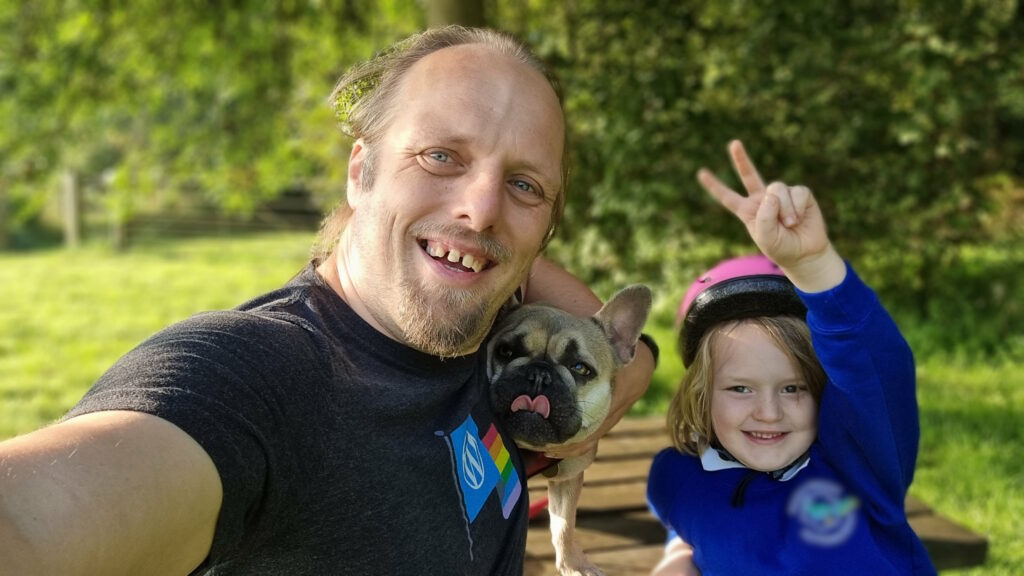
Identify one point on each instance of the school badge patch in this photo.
(826, 512)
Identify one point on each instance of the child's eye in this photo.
(739, 389)
(793, 389)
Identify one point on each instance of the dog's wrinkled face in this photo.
(551, 373)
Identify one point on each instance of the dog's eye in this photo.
(504, 351)
(581, 369)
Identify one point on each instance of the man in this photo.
(339, 424)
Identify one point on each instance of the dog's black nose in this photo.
(539, 378)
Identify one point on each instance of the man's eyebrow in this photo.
(431, 134)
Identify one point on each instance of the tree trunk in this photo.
(71, 195)
(464, 12)
(5, 239)
(117, 233)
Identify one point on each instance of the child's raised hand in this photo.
(784, 221)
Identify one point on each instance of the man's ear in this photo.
(353, 193)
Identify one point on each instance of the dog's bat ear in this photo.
(623, 318)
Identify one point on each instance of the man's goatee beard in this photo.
(450, 325)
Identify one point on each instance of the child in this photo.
(790, 458)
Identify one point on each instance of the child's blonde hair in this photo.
(689, 414)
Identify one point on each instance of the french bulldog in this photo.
(551, 376)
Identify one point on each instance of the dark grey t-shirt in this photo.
(340, 451)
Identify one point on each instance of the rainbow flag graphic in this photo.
(508, 488)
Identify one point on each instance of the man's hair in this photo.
(364, 104)
(689, 414)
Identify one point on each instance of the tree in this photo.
(464, 12)
(218, 105)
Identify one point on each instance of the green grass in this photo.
(971, 463)
(67, 315)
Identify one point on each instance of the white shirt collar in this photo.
(712, 461)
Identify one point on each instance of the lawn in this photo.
(67, 315)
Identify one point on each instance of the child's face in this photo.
(761, 409)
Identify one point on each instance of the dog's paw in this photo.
(575, 563)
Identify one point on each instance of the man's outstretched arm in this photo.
(106, 493)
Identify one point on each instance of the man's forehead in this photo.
(457, 58)
(471, 68)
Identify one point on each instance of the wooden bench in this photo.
(623, 538)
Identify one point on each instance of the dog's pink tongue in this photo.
(539, 405)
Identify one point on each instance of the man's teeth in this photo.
(454, 256)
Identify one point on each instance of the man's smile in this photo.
(455, 258)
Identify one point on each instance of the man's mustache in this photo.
(492, 248)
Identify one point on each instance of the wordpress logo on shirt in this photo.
(827, 513)
(472, 462)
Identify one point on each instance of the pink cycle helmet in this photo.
(737, 288)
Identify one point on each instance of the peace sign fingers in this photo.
(726, 196)
(745, 168)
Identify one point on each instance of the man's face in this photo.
(466, 175)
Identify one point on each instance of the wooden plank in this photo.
(634, 561)
(621, 544)
(600, 532)
(603, 498)
(949, 544)
(913, 506)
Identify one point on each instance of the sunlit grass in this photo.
(67, 315)
(971, 463)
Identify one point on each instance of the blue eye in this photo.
(523, 185)
(527, 191)
(439, 156)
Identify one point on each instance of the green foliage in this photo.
(904, 117)
(161, 104)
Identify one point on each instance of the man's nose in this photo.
(480, 202)
(768, 408)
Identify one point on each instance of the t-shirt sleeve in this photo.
(215, 376)
(869, 416)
